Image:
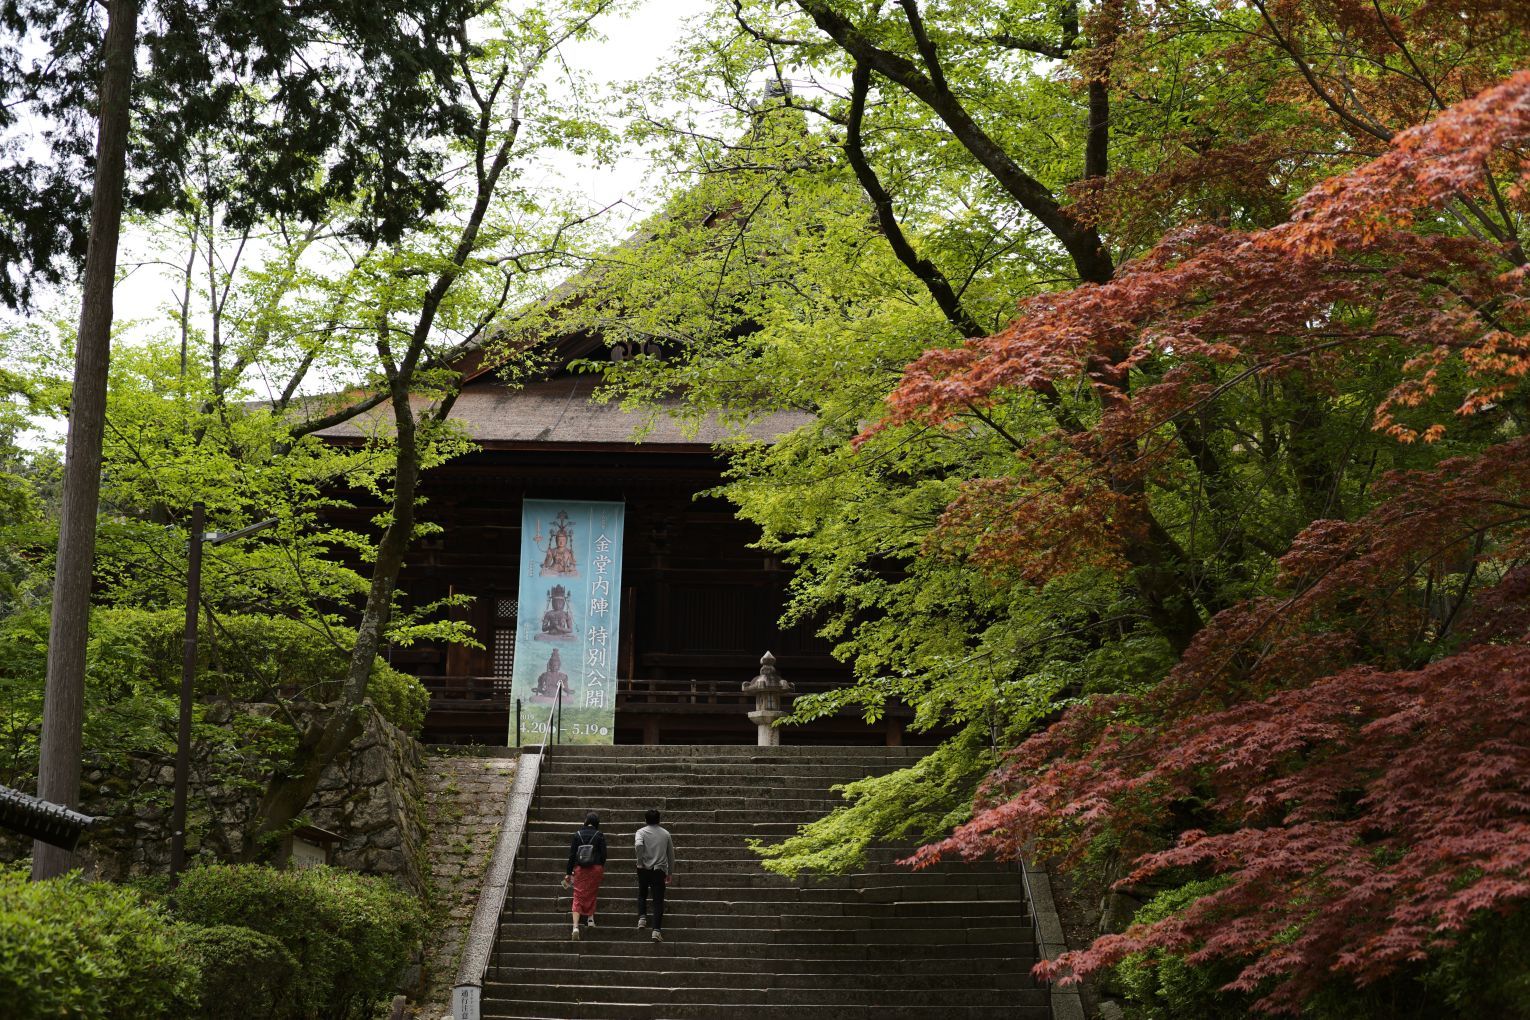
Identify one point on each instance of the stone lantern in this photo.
(768, 689)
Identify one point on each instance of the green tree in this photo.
(212, 77)
(1069, 534)
(291, 327)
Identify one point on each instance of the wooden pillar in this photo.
(894, 732)
(651, 730)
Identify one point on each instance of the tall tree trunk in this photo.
(287, 795)
(58, 774)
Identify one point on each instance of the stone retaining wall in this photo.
(465, 797)
(370, 795)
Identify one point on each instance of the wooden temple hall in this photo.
(699, 606)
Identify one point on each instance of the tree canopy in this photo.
(1167, 365)
(286, 113)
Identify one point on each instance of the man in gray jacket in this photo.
(654, 852)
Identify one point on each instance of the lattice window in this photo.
(505, 609)
(504, 651)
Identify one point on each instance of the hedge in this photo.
(89, 951)
(349, 936)
(245, 975)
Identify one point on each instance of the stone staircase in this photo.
(953, 941)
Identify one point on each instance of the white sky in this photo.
(634, 48)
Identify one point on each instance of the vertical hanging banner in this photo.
(569, 619)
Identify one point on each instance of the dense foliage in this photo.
(287, 114)
(344, 938)
(133, 679)
(89, 950)
(241, 972)
(343, 303)
(1352, 740)
(1225, 529)
(232, 942)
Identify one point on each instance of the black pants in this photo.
(651, 880)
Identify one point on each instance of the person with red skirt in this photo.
(586, 867)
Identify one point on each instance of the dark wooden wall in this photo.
(699, 606)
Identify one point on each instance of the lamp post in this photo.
(195, 542)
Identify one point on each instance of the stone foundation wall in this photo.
(373, 796)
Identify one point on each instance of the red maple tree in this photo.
(1357, 755)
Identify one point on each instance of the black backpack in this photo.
(585, 855)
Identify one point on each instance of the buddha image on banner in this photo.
(570, 600)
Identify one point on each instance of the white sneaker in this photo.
(589, 922)
(574, 934)
(657, 936)
(642, 923)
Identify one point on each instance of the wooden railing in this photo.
(481, 708)
(492, 694)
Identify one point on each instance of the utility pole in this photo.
(195, 541)
(188, 675)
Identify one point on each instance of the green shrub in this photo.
(1486, 971)
(88, 950)
(245, 974)
(1161, 986)
(349, 935)
(401, 698)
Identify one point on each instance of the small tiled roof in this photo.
(561, 411)
(52, 823)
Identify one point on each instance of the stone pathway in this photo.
(464, 803)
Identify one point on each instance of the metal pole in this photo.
(188, 675)
(518, 722)
(559, 714)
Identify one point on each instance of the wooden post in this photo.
(188, 676)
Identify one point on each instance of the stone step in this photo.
(668, 797)
(728, 879)
(669, 783)
(789, 901)
(673, 808)
(547, 871)
(645, 963)
(723, 973)
(737, 920)
(736, 767)
(682, 770)
(680, 953)
(692, 905)
(987, 933)
(758, 993)
(694, 856)
(621, 902)
(741, 824)
(719, 752)
(746, 880)
(559, 833)
(552, 1010)
(738, 779)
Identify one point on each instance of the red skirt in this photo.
(586, 886)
